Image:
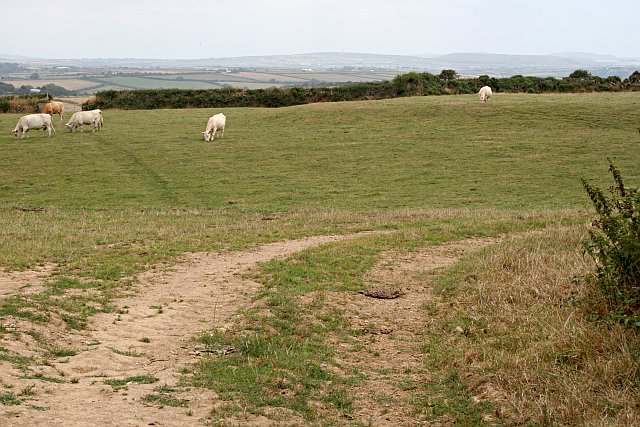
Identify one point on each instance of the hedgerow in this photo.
(409, 84)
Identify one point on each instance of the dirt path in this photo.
(152, 336)
(199, 294)
(393, 331)
(71, 104)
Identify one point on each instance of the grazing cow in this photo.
(81, 118)
(54, 107)
(33, 121)
(215, 123)
(485, 93)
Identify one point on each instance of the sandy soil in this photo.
(24, 282)
(203, 293)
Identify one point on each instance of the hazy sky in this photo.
(203, 29)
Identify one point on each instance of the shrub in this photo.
(615, 247)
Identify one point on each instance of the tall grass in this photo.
(528, 343)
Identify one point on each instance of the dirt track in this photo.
(203, 293)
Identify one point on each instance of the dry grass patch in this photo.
(519, 336)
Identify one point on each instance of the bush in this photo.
(615, 247)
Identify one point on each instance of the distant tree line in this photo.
(410, 84)
(51, 89)
(25, 100)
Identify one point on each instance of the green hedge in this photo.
(410, 84)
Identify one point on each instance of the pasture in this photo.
(495, 335)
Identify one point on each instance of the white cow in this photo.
(33, 121)
(485, 93)
(215, 123)
(81, 118)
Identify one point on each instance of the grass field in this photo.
(524, 152)
(425, 170)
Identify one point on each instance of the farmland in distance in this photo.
(87, 82)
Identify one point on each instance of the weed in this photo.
(62, 352)
(128, 353)
(9, 399)
(42, 377)
(139, 379)
(163, 397)
(28, 391)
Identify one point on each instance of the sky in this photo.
(189, 29)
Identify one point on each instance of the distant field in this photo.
(266, 76)
(334, 77)
(197, 79)
(152, 83)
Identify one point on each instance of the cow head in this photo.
(16, 133)
(207, 136)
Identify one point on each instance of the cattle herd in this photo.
(42, 121)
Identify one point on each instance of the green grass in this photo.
(9, 399)
(426, 170)
(519, 152)
(123, 382)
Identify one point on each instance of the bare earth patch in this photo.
(24, 282)
(151, 338)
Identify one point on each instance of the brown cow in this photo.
(54, 107)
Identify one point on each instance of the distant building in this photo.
(34, 91)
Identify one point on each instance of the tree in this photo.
(580, 74)
(34, 76)
(6, 88)
(25, 89)
(56, 90)
(448, 75)
(634, 78)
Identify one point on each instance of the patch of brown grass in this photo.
(528, 345)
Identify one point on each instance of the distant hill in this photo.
(499, 65)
